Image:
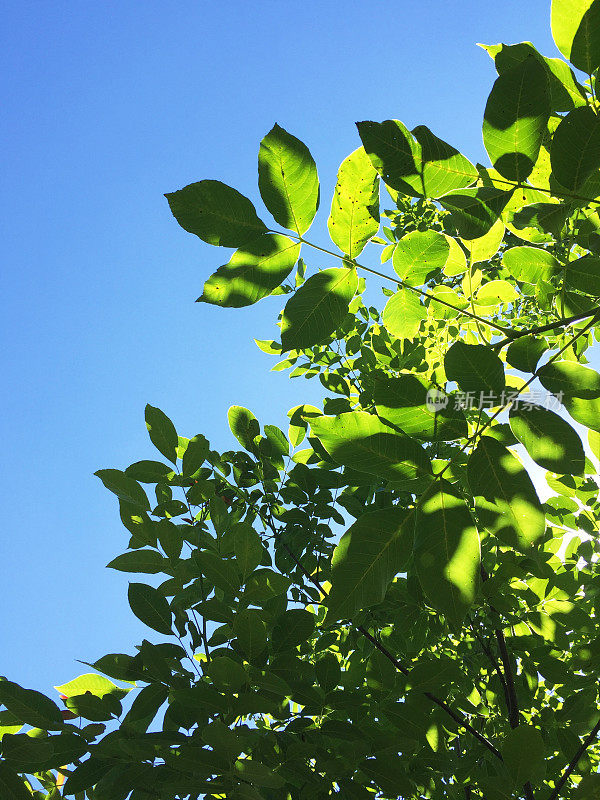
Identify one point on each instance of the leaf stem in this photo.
(574, 761)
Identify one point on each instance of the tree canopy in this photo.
(375, 603)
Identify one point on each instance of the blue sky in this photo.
(106, 106)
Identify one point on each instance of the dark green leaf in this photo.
(150, 606)
(361, 441)
(447, 552)
(31, 707)
(148, 561)
(250, 631)
(11, 785)
(216, 213)
(222, 573)
(371, 552)
(247, 547)
(288, 180)
(317, 308)
(525, 352)
(578, 389)
(124, 487)
(253, 272)
(404, 402)
(85, 775)
(584, 274)
(416, 163)
(162, 432)
(505, 498)
(475, 368)
(575, 148)
(195, 455)
(523, 751)
(354, 216)
(292, 628)
(149, 471)
(516, 119)
(549, 439)
(474, 211)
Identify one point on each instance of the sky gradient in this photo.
(106, 106)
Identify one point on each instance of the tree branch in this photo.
(561, 323)
(574, 761)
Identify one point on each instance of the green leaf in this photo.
(328, 671)
(403, 314)
(11, 785)
(475, 211)
(247, 547)
(86, 775)
(516, 119)
(145, 707)
(475, 368)
(404, 402)
(162, 432)
(549, 439)
(578, 389)
(576, 32)
(31, 707)
(523, 751)
(149, 471)
(565, 91)
(361, 441)
(226, 674)
(256, 773)
(124, 487)
(589, 788)
(292, 628)
(243, 425)
(418, 254)
(505, 498)
(416, 163)
(195, 455)
(354, 217)
(251, 632)
(584, 274)
(575, 148)
(288, 180)
(150, 606)
(97, 685)
(222, 573)
(148, 561)
(317, 308)
(525, 352)
(252, 272)
(371, 552)
(447, 553)
(216, 213)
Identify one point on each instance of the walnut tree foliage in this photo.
(374, 603)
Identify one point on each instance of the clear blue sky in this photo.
(106, 106)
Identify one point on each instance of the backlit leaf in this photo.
(418, 254)
(576, 31)
(252, 272)
(216, 213)
(162, 432)
(575, 148)
(475, 368)
(288, 180)
(549, 439)
(403, 314)
(505, 498)
(317, 308)
(374, 549)
(516, 118)
(354, 216)
(447, 551)
(475, 211)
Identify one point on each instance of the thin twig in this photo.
(574, 761)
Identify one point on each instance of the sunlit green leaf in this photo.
(288, 180)
(516, 117)
(505, 498)
(447, 551)
(403, 314)
(374, 549)
(418, 254)
(354, 216)
(252, 272)
(317, 308)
